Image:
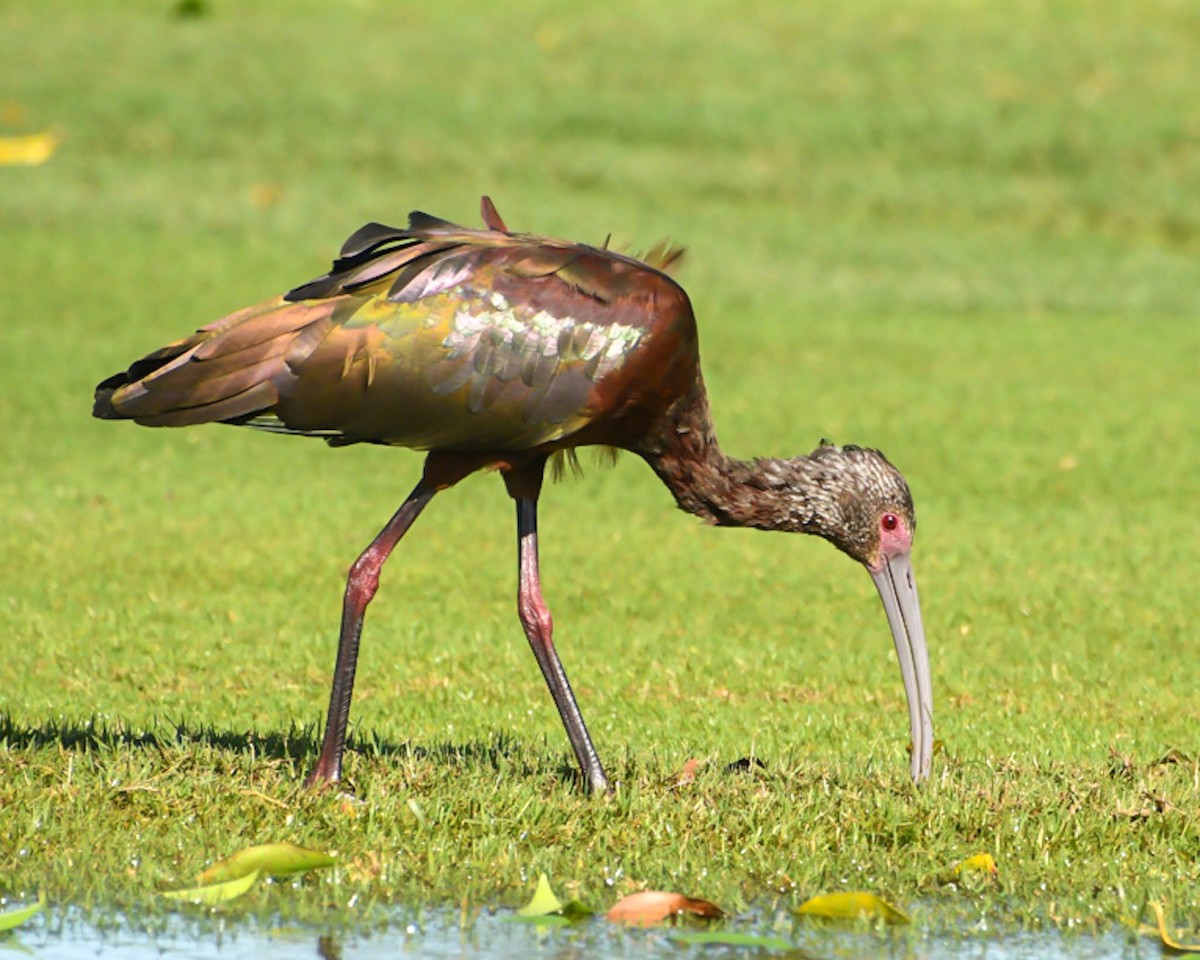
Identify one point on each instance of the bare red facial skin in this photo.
(894, 538)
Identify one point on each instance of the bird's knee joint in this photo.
(535, 617)
(363, 580)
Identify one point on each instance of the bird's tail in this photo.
(229, 371)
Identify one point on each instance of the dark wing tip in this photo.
(368, 237)
(419, 221)
(324, 286)
(102, 405)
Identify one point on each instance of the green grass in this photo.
(965, 234)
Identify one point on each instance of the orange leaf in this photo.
(652, 906)
(686, 774)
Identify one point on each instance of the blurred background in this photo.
(965, 233)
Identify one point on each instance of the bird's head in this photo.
(854, 498)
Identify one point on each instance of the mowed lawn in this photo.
(966, 234)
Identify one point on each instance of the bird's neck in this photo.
(722, 490)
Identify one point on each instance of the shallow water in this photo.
(71, 936)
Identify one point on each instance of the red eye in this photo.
(889, 521)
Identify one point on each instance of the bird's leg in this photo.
(361, 585)
(539, 628)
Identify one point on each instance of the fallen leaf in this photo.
(30, 150)
(215, 893)
(651, 906)
(1169, 941)
(686, 774)
(544, 900)
(852, 906)
(274, 859)
(545, 905)
(732, 939)
(981, 864)
(14, 918)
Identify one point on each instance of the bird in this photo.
(489, 349)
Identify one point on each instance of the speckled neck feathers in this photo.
(834, 492)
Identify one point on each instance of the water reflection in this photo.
(72, 936)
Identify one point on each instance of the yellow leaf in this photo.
(215, 893)
(275, 859)
(852, 906)
(981, 864)
(30, 150)
(1168, 941)
(652, 906)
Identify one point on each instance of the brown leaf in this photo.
(686, 774)
(653, 906)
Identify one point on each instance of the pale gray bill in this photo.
(898, 591)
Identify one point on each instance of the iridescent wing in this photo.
(434, 337)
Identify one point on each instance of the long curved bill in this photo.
(898, 591)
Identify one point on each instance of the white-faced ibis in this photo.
(488, 348)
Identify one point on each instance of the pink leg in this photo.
(360, 588)
(539, 628)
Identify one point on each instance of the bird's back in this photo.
(436, 337)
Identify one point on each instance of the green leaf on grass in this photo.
(215, 893)
(544, 901)
(852, 906)
(273, 859)
(546, 907)
(14, 918)
(730, 939)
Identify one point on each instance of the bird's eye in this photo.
(889, 521)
